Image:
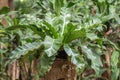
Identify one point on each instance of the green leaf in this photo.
(111, 43)
(45, 64)
(2, 51)
(2, 33)
(114, 57)
(91, 36)
(76, 34)
(88, 52)
(37, 30)
(69, 51)
(25, 49)
(52, 29)
(106, 18)
(95, 58)
(33, 27)
(101, 1)
(57, 5)
(17, 27)
(52, 45)
(70, 4)
(68, 30)
(75, 57)
(4, 10)
(114, 62)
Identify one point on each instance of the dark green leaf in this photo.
(4, 10)
(76, 34)
(52, 29)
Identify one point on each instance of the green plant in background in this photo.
(77, 27)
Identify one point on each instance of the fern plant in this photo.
(70, 26)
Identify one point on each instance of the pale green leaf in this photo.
(23, 50)
(75, 57)
(92, 36)
(95, 58)
(51, 45)
(114, 67)
(70, 51)
(114, 57)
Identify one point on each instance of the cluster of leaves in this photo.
(78, 27)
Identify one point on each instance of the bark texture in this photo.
(4, 3)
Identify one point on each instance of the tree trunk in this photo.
(6, 3)
(3, 3)
(10, 4)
